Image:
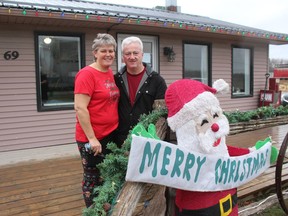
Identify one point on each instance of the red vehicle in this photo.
(279, 83)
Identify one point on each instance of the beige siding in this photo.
(221, 67)
(21, 125)
(171, 71)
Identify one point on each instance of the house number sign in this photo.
(11, 55)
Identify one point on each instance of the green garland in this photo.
(113, 170)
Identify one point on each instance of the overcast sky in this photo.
(266, 15)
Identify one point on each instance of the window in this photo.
(242, 72)
(58, 59)
(197, 62)
(150, 49)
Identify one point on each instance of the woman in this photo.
(96, 104)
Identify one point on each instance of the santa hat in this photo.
(186, 99)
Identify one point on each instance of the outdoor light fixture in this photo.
(47, 40)
(169, 53)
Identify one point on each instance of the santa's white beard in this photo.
(188, 137)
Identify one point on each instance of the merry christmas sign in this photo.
(159, 162)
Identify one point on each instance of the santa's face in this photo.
(206, 134)
(212, 127)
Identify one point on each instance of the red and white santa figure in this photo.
(194, 113)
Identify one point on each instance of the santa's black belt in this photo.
(223, 208)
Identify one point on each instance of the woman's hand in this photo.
(96, 146)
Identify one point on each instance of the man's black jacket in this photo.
(152, 87)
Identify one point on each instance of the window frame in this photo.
(68, 106)
(251, 68)
(144, 38)
(209, 58)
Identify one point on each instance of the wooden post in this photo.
(143, 198)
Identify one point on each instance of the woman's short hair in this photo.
(103, 39)
(130, 40)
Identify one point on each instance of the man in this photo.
(139, 87)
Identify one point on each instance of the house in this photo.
(44, 43)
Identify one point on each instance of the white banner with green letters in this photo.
(158, 162)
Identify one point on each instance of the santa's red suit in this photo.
(214, 203)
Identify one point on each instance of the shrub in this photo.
(260, 113)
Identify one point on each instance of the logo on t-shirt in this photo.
(113, 91)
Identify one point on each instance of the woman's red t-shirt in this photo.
(103, 106)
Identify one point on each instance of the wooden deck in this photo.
(265, 183)
(53, 187)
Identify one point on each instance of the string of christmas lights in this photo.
(149, 21)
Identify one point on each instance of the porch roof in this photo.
(138, 16)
